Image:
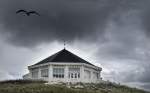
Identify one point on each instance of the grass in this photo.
(30, 86)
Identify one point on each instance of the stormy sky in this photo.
(116, 34)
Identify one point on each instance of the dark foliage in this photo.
(21, 81)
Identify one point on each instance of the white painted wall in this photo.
(85, 71)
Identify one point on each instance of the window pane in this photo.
(58, 72)
(71, 75)
(74, 72)
(44, 73)
(75, 75)
(78, 75)
(35, 74)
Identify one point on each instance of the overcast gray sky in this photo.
(116, 34)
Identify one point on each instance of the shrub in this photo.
(21, 81)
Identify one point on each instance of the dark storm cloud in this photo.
(145, 14)
(59, 20)
(146, 20)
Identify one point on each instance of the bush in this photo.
(21, 81)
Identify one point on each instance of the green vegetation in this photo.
(28, 86)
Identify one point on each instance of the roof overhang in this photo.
(65, 63)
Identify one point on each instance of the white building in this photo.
(64, 66)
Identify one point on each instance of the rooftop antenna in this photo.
(64, 44)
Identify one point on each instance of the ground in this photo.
(28, 86)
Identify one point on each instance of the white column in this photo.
(50, 73)
(91, 73)
(66, 73)
(39, 73)
(82, 73)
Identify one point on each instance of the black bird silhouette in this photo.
(28, 13)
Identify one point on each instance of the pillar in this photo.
(82, 74)
(66, 73)
(50, 73)
(39, 73)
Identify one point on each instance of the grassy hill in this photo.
(28, 86)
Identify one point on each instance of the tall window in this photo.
(58, 72)
(74, 72)
(34, 73)
(44, 72)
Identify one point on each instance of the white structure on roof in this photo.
(65, 66)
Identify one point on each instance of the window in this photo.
(78, 75)
(75, 75)
(34, 73)
(72, 75)
(74, 72)
(87, 74)
(96, 75)
(44, 73)
(58, 72)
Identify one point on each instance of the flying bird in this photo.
(28, 13)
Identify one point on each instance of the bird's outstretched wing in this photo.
(33, 12)
(19, 11)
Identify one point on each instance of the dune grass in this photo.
(30, 86)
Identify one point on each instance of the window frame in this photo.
(46, 73)
(35, 73)
(74, 72)
(58, 72)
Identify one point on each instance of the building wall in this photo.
(87, 73)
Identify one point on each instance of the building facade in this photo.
(64, 66)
